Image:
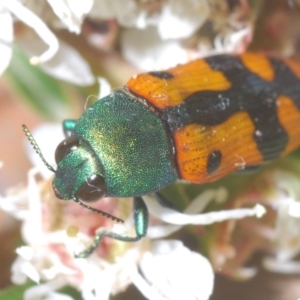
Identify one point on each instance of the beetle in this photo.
(198, 121)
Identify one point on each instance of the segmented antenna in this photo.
(98, 211)
(36, 147)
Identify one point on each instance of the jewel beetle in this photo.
(198, 121)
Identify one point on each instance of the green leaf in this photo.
(76, 295)
(15, 292)
(41, 91)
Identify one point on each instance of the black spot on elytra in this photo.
(213, 161)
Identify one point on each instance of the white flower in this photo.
(180, 19)
(155, 41)
(157, 35)
(173, 18)
(163, 37)
(277, 233)
(57, 58)
(285, 199)
(176, 272)
(71, 13)
(150, 52)
(192, 214)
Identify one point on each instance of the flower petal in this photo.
(71, 13)
(145, 49)
(180, 19)
(17, 276)
(104, 87)
(126, 12)
(283, 267)
(58, 296)
(94, 272)
(6, 38)
(30, 271)
(144, 287)
(67, 64)
(173, 217)
(177, 272)
(13, 202)
(38, 25)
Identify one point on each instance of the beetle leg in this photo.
(140, 216)
(68, 126)
(165, 202)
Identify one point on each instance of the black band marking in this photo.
(287, 81)
(213, 161)
(249, 93)
(162, 74)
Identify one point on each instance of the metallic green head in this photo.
(119, 147)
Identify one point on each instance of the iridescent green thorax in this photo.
(130, 143)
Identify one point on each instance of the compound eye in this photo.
(92, 189)
(69, 144)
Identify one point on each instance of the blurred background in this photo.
(115, 42)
